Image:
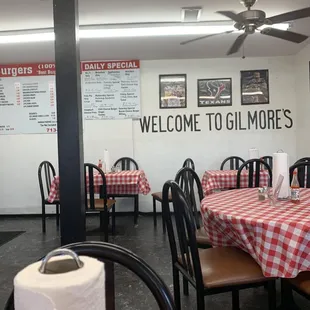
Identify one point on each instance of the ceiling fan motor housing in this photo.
(248, 3)
(252, 20)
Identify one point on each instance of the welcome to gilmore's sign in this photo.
(238, 121)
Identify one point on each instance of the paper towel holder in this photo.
(67, 264)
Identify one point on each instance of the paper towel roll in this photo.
(106, 158)
(253, 153)
(281, 166)
(80, 289)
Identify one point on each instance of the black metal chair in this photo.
(268, 160)
(303, 173)
(189, 182)
(111, 253)
(234, 162)
(102, 204)
(46, 174)
(189, 163)
(307, 159)
(210, 271)
(300, 284)
(127, 163)
(253, 167)
(159, 197)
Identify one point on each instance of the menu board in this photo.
(27, 99)
(110, 90)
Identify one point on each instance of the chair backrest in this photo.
(234, 162)
(189, 182)
(268, 160)
(306, 159)
(189, 163)
(46, 174)
(254, 175)
(182, 232)
(127, 163)
(116, 254)
(90, 187)
(303, 173)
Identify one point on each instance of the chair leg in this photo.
(235, 300)
(200, 300)
(113, 220)
(176, 289)
(43, 218)
(185, 286)
(272, 300)
(154, 212)
(163, 219)
(136, 212)
(57, 216)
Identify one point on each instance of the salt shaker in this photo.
(261, 194)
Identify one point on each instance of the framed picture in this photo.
(172, 91)
(214, 92)
(254, 87)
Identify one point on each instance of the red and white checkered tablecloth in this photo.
(277, 237)
(124, 182)
(227, 179)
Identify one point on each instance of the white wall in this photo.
(303, 102)
(159, 154)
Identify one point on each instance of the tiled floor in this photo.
(131, 294)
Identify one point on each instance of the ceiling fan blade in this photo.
(237, 44)
(286, 17)
(232, 15)
(285, 35)
(205, 37)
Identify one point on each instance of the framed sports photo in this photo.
(254, 87)
(172, 91)
(214, 92)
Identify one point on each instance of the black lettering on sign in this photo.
(262, 119)
(271, 119)
(154, 124)
(218, 121)
(239, 121)
(196, 122)
(252, 119)
(286, 114)
(278, 119)
(188, 122)
(168, 123)
(229, 121)
(178, 123)
(210, 120)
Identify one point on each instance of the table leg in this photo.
(136, 211)
(287, 299)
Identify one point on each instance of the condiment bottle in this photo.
(100, 164)
(295, 188)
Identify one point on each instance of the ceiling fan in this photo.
(249, 21)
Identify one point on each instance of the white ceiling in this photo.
(30, 14)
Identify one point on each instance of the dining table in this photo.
(215, 180)
(132, 182)
(276, 235)
(124, 184)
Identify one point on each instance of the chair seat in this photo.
(302, 282)
(52, 203)
(99, 204)
(201, 237)
(228, 266)
(159, 196)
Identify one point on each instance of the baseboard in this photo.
(33, 215)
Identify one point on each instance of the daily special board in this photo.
(110, 90)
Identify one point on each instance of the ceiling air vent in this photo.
(191, 14)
